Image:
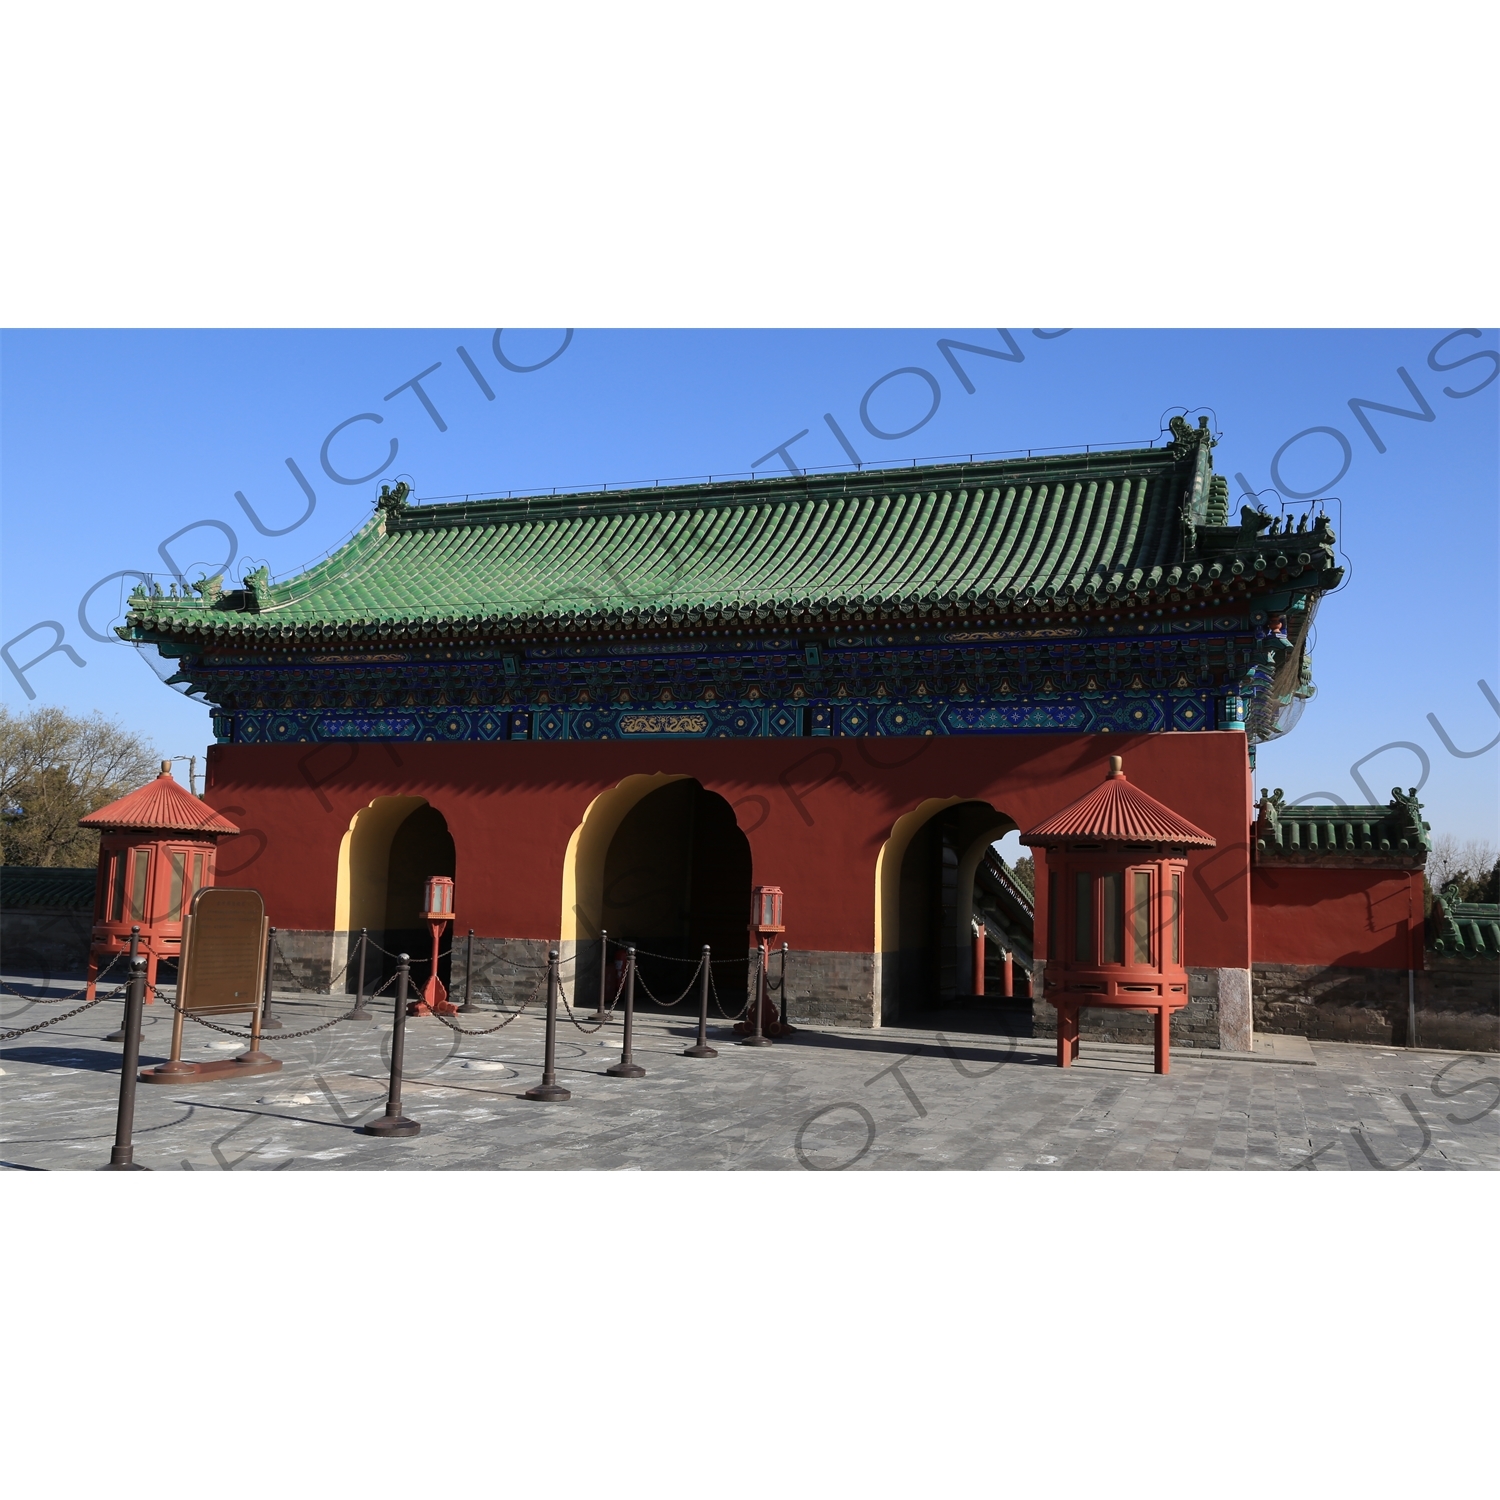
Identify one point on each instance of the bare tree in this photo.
(1463, 869)
(54, 768)
(1442, 860)
(1449, 860)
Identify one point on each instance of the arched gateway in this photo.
(660, 862)
(625, 708)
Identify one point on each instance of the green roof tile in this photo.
(1081, 528)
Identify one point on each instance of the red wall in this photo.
(1366, 919)
(816, 812)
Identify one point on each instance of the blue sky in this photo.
(113, 441)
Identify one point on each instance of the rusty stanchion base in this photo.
(549, 1093)
(124, 1166)
(363, 1017)
(702, 1050)
(385, 1125)
(626, 1070)
(270, 1023)
(245, 1066)
(116, 1036)
(755, 1041)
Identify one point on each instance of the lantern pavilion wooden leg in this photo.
(1163, 1039)
(93, 974)
(1067, 1029)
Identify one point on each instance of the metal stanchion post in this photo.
(359, 1013)
(757, 1038)
(600, 1017)
(786, 1004)
(468, 1004)
(268, 1022)
(627, 1067)
(135, 947)
(122, 1154)
(701, 1047)
(393, 1122)
(549, 1089)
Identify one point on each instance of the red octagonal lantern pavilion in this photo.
(1115, 873)
(156, 850)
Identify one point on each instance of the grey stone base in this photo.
(1236, 1015)
(1457, 1004)
(1195, 1025)
(507, 971)
(304, 959)
(45, 941)
(835, 988)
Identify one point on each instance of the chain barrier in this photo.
(668, 1004)
(10, 1036)
(333, 979)
(674, 958)
(245, 1036)
(414, 962)
(490, 1030)
(447, 952)
(609, 1010)
(572, 958)
(719, 1004)
(62, 999)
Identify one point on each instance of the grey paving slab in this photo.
(902, 1099)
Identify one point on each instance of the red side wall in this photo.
(1365, 919)
(816, 812)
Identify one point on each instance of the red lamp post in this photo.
(437, 910)
(766, 922)
(157, 848)
(1116, 868)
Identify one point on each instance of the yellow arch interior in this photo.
(583, 864)
(364, 861)
(888, 870)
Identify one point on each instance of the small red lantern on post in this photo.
(437, 910)
(1116, 872)
(766, 922)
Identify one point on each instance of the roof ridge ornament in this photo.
(1184, 436)
(393, 499)
(211, 590)
(258, 587)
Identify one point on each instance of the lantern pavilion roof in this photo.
(1118, 813)
(161, 806)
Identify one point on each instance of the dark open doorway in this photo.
(677, 875)
(953, 883)
(420, 848)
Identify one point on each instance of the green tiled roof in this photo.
(1073, 530)
(68, 887)
(1344, 834)
(1470, 929)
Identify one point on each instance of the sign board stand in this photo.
(223, 972)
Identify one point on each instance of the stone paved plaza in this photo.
(826, 1099)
